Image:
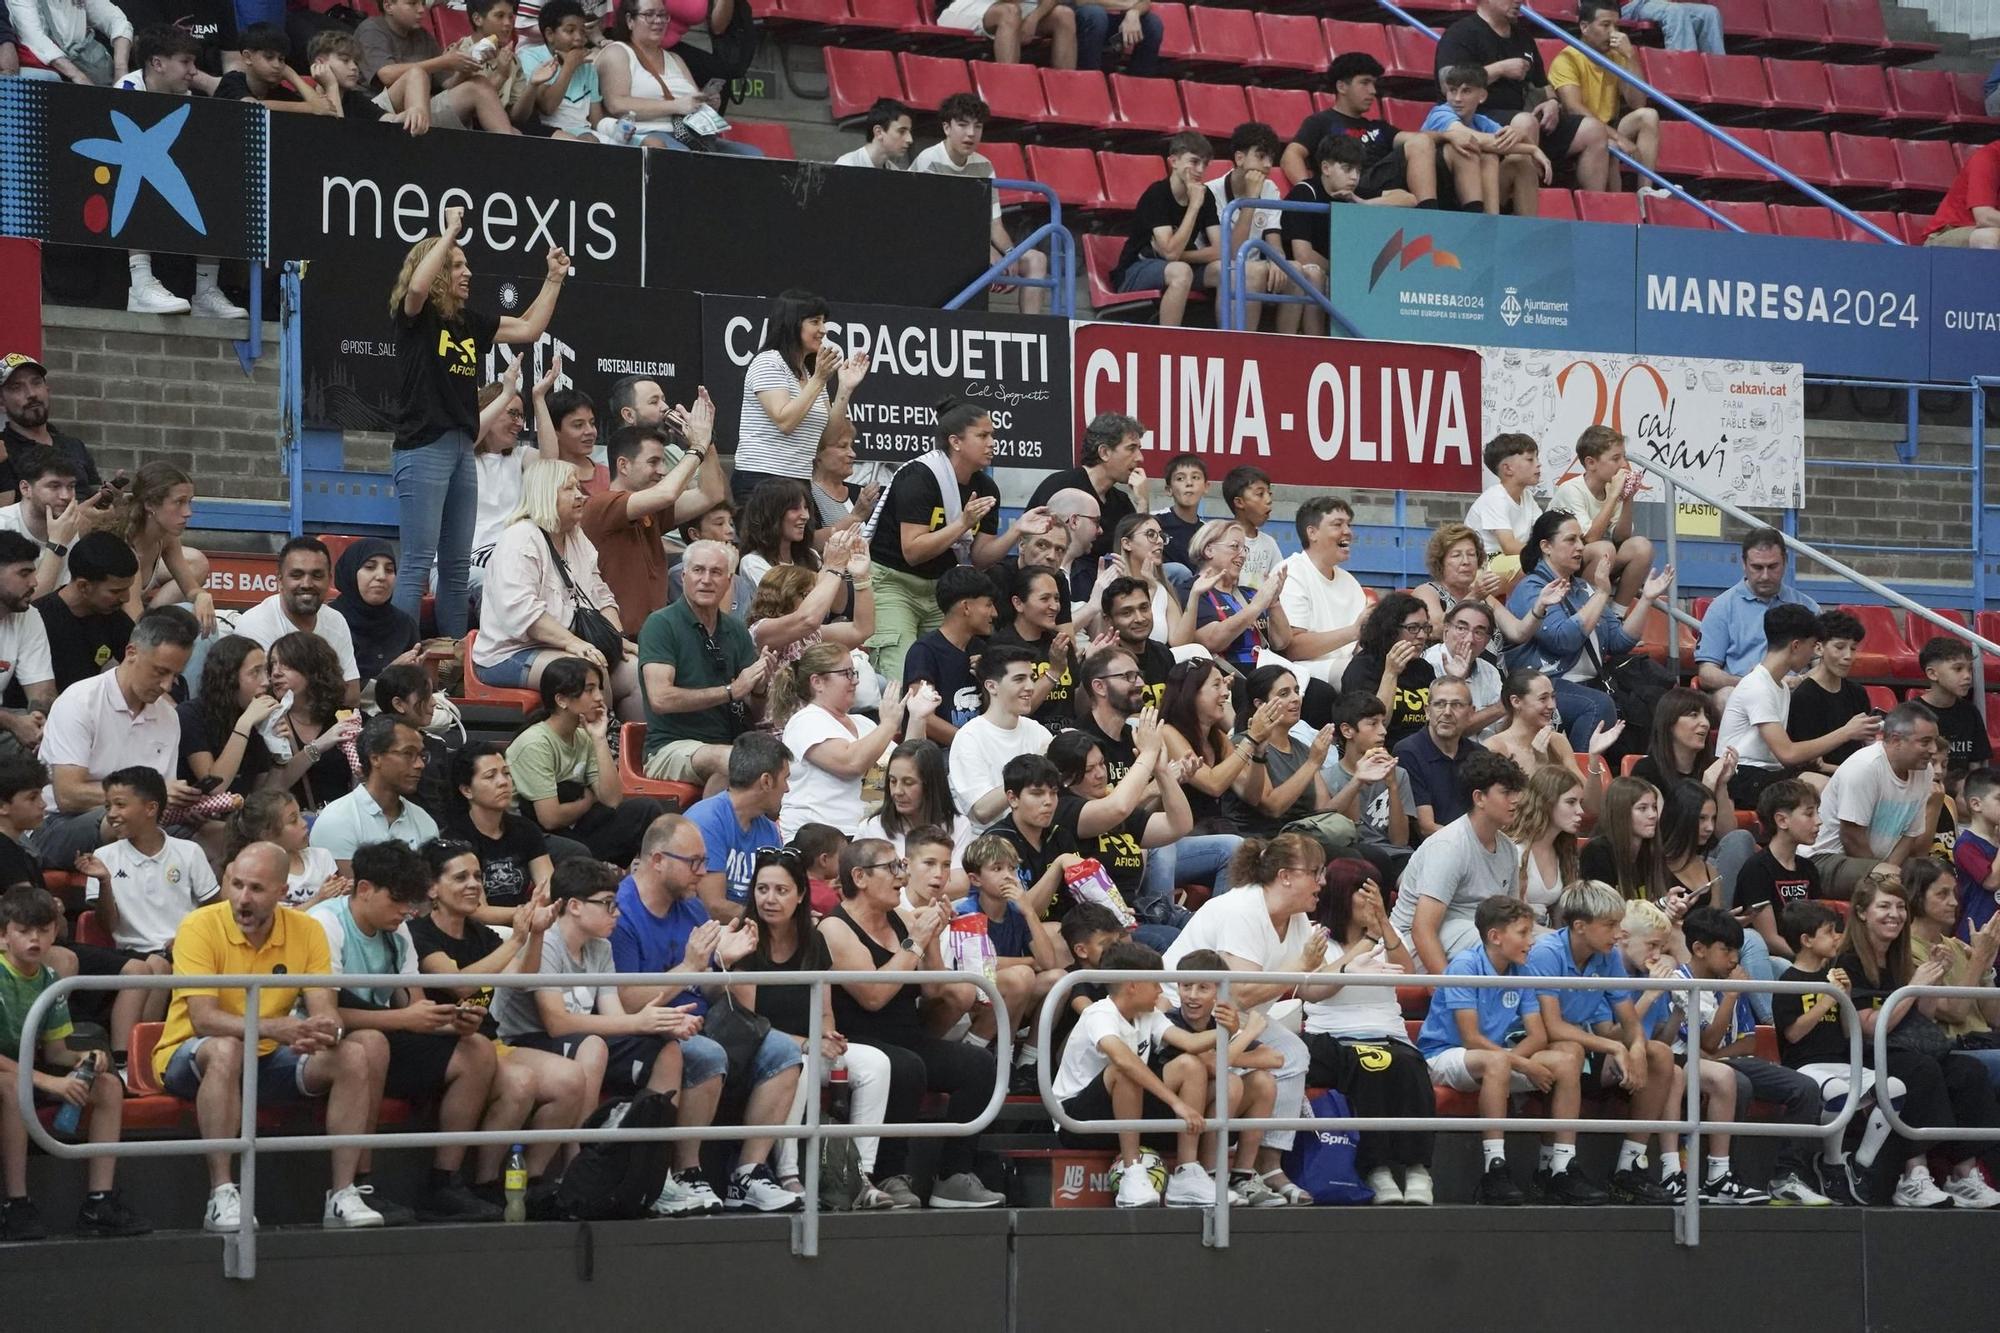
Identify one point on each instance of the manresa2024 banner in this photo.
(1017, 365)
(1310, 411)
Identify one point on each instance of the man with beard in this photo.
(48, 515)
(305, 568)
(85, 619)
(1127, 604)
(24, 644)
(628, 522)
(1111, 693)
(24, 393)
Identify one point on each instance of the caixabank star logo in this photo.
(137, 158)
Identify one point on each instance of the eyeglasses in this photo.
(607, 905)
(1482, 630)
(898, 866)
(1123, 675)
(649, 15)
(779, 856)
(1415, 627)
(1448, 705)
(851, 673)
(694, 863)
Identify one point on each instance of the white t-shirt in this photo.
(859, 158)
(1260, 558)
(1311, 601)
(1358, 1011)
(319, 867)
(760, 445)
(1239, 922)
(1574, 498)
(1864, 790)
(1083, 1059)
(153, 893)
(817, 796)
(1266, 219)
(962, 835)
(977, 167)
(1496, 511)
(267, 623)
(1758, 698)
(1483, 681)
(13, 519)
(981, 750)
(499, 494)
(91, 727)
(24, 649)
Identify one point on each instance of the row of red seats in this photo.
(1862, 96)
(1807, 220)
(1850, 161)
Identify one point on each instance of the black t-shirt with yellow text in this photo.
(442, 362)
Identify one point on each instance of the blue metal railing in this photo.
(1062, 258)
(1230, 298)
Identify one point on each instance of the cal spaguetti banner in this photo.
(355, 197)
(1016, 365)
(602, 333)
(134, 171)
(1432, 276)
(1328, 413)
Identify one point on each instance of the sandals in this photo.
(1275, 1181)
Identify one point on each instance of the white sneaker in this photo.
(1971, 1191)
(1417, 1188)
(674, 1200)
(346, 1208)
(1383, 1181)
(1190, 1187)
(1917, 1190)
(225, 1209)
(210, 303)
(1790, 1188)
(1135, 1188)
(148, 297)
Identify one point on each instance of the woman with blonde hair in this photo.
(1226, 621)
(542, 571)
(832, 748)
(441, 352)
(1456, 558)
(156, 516)
(1544, 828)
(790, 610)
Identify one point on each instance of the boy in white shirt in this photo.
(888, 130)
(984, 745)
(1600, 499)
(963, 120)
(1753, 721)
(1116, 1066)
(1505, 511)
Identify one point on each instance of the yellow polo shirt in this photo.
(211, 943)
(1593, 83)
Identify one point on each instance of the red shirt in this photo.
(1978, 186)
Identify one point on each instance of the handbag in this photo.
(1920, 1035)
(1323, 1162)
(740, 1032)
(588, 623)
(1636, 683)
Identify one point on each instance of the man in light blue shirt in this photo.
(1732, 631)
(392, 761)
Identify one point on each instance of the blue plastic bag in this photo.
(1322, 1162)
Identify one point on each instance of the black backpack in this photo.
(616, 1181)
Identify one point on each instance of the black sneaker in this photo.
(1497, 1188)
(21, 1220)
(393, 1214)
(1837, 1181)
(1537, 1192)
(1634, 1186)
(492, 1191)
(456, 1203)
(109, 1217)
(1571, 1190)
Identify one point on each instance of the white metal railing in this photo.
(1928, 1133)
(240, 1247)
(1687, 1218)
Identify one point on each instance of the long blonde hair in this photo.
(542, 481)
(441, 297)
(792, 690)
(1536, 816)
(151, 486)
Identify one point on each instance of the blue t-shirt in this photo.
(1501, 1009)
(1010, 934)
(732, 849)
(1441, 118)
(642, 942)
(1972, 860)
(1553, 957)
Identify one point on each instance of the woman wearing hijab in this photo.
(366, 577)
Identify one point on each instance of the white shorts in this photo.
(1448, 1070)
(1833, 1079)
(970, 15)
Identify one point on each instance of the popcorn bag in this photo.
(1088, 882)
(969, 948)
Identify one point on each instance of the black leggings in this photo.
(963, 1073)
(614, 834)
(1941, 1092)
(1400, 1086)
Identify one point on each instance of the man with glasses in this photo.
(1433, 757)
(735, 823)
(1114, 692)
(379, 810)
(431, 1051)
(702, 679)
(663, 926)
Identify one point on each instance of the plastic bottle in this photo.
(71, 1115)
(842, 1094)
(627, 127)
(516, 1185)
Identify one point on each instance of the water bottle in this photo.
(71, 1115)
(842, 1095)
(627, 127)
(516, 1185)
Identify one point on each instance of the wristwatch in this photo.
(56, 549)
(910, 947)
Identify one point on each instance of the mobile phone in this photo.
(208, 784)
(120, 482)
(712, 90)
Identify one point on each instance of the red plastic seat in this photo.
(1556, 203)
(928, 80)
(1859, 90)
(1864, 162)
(1798, 85)
(856, 79)
(1799, 25)
(1752, 216)
(1739, 81)
(1914, 227)
(1923, 95)
(1887, 221)
(1009, 165)
(1682, 75)
(632, 772)
(1070, 172)
(1671, 212)
(1603, 206)
(90, 930)
(1342, 37)
(480, 693)
(1987, 623)
(1012, 93)
(1283, 109)
(1215, 109)
(774, 140)
(1126, 177)
(1686, 152)
(1925, 166)
(1884, 651)
(1804, 153)
(1078, 97)
(887, 15)
(1100, 256)
(1224, 37)
(144, 1040)
(1857, 27)
(1880, 696)
(1176, 34)
(1968, 99)
(812, 13)
(1404, 113)
(451, 24)
(1804, 220)
(1412, 56)
(1550, 47)
(1290, 41)
(1746, 19)
(1150, 105)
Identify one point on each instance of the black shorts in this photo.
(1556, 142)
(94, 960)
(630, 1063)
(1094, 1103)
(417, 1063)
(1748, 782)
(1385, 174)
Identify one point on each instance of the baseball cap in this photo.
(14, 361)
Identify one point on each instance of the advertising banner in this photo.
(1838, 307)
(1016, 365)
(1432, 276)
(1736, 429)
(1965, 313)
(138, 171)
(1331, 413)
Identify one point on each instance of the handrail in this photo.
(1229, 288)
(291, 389)
(1927, 1133)
(240, 1247)
(1062, 253)
(1215, 1226)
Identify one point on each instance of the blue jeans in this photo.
(1683, 26)
(1198, 860)
(1583, 708)
(1989, 1061)
(437, 499)
(1157, 938)
(1097, 43)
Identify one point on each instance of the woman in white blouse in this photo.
(786, 407)
(643, 81)
(833, 749)
(527, 607)
(85, 41)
